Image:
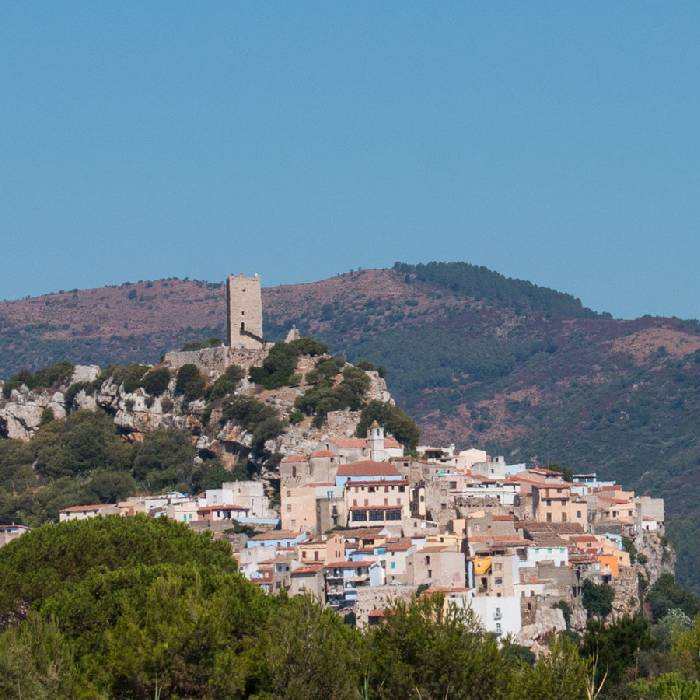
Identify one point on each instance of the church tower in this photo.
(375, 442)
(244, 312)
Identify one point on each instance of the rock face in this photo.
(654, 556)
(21, 416)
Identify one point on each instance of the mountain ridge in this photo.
(523, 371)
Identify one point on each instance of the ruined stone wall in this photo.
(379, 598)
(214, 361)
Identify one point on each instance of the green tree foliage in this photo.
(307, 652)
(425, 651)
(37, 662)
(156, 381)
(597, 598)
(563, 673)
(481, 283)
(326, 396)
(44, 561)
(394, 420)
(74, 389)
(190, 383)
(127, 376)
(278, 368)
(256, 417)
(164, 458)
(45, 378)
(84, 441)
(226, 383)
(368, 366)
(616, 647)
(666, 595)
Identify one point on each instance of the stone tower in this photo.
(244, 312)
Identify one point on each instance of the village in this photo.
(359, 523)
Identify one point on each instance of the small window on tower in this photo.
(242, 326)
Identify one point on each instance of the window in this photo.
(393, 515)
(427, 559)
(386, 501)
(371, 489)
(242, 326)
(289, 507)
(549, 517)
(499, 581)
(392, 565)
(359, 515)
(578, 515)
(386, 489)
(402, 489)
(498, 566)
(430, 573)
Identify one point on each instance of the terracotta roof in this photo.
(399, 546)
(348, 564)
(310, 569)
(378, 482)
(323, 453)
(350, 442)
(503, 518)
(275, 535)
(295, 458)
(223, 506)
(367, 468)
(391, 443)
(375, 613)
(361, 533)
(80, 509)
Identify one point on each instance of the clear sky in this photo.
(552, 141)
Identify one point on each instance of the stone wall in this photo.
(379, 598)
(214, 361)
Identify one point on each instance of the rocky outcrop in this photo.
(22, 414)
(655, 556)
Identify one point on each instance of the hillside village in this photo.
(341, 509)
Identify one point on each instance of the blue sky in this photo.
(556, 142)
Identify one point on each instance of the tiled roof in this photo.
(295, 458)
(80, 509)
(349, 443)
(310, 569)
(275, 535)
(348, 564)
(323, 453)
(367, 468)
(378, 482)
(223, 506)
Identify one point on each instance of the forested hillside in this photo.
(476, 358)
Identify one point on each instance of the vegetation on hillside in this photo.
(482, 284)
(143, 608)
(82, 460)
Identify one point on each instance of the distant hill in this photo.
(477, 358)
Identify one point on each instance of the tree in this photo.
(52, 557)
(562, 673)
(306, 651)
(597, 598)
(82, 442)
(425, 650)
(156, 381)
(616, 647)
(164, 459)
(667, 595)
(189, 383)
(394, 421)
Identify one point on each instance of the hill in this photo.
(477, 358)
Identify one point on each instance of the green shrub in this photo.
(189, 383)
(156, 381)
(74, 389)
(394, 421)
(226, 383)
(597, 598)
(46, 378)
